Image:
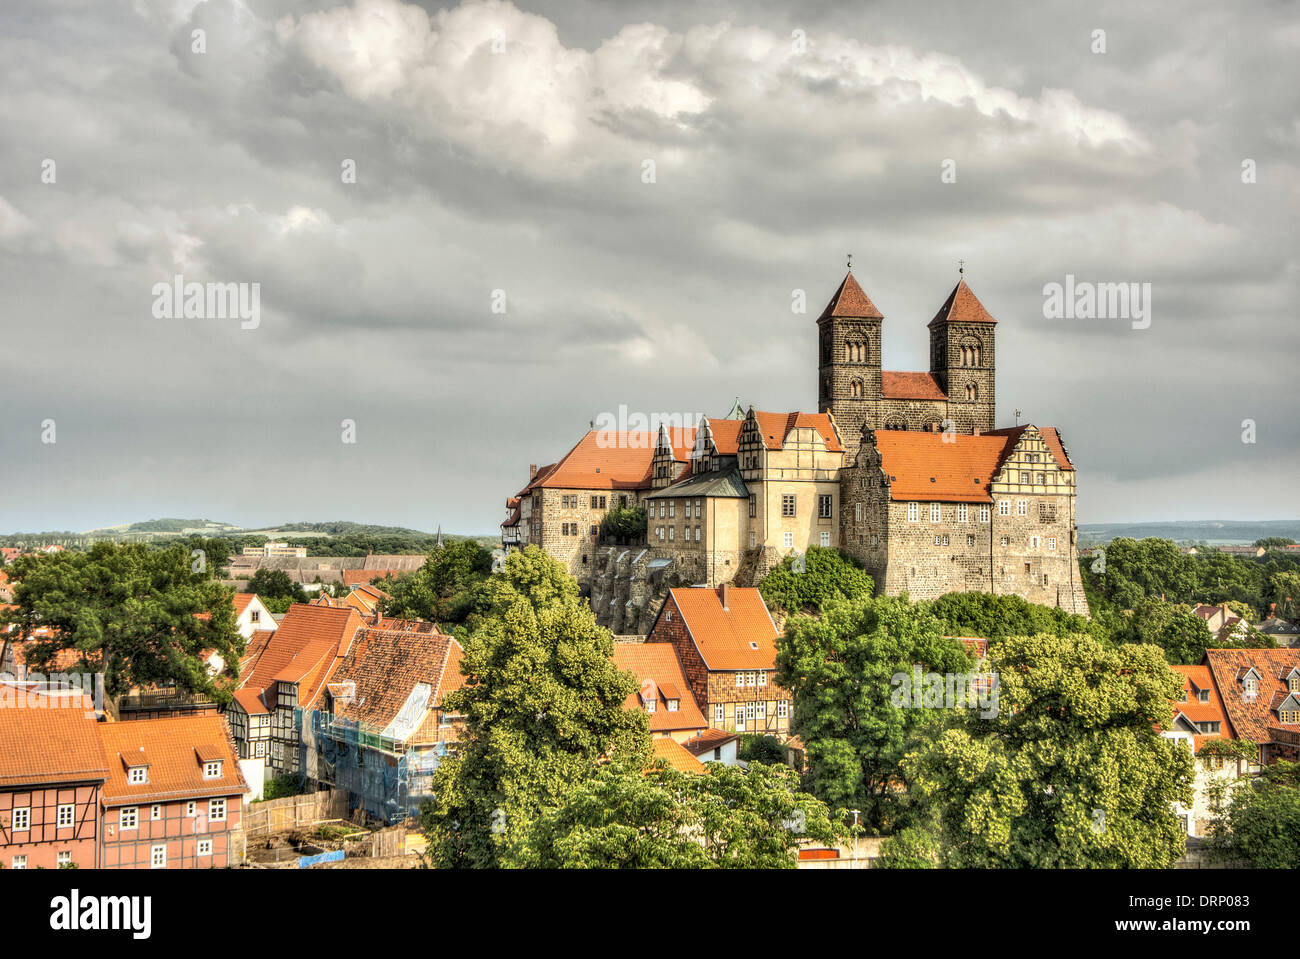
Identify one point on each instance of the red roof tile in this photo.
(304, 626)
(910, 386)
(962, 307)
(241, 602)
(922, 466)
(850, 301)
(742, 636)
(709, 740)
(775, 427)
(1251, 719)
(177, 748)
(1197, 678)
(677, 756)
(657, 662)
(611, 460)
(48, 739)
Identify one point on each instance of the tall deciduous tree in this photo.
(1070, 772)
(631, 818)
(442, 589)
(144, 616)
(543, 703)
(840, 668)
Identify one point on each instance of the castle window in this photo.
(970, 539)
(1024, 478)
(984, 514)
(787, 504)
(825, 539)
(789, 540)
(1033, 542)
(753, 506)
(825, 503)
(672, 507)
(672, 532)
(1051, 542)
(1004, 507)
(697, 534)
(752, 539)
(1022, 508)
(699, 505)
(934, 512)
(913, 512)
(857, 512)
(855, 389)
(963, 513)
(1040, 479)
(1006, 541)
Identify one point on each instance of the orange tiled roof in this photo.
(775, 427)
(1199, 678)
(962, 306)
(677, 756)
(726, 435)
(364, 577)
(658, 663)
(709, 740)
(1252, 720)
(921, 466)
(303, 626)
(910, 386)
(250, 700)
(176, 748)
(241, 602)
(611, 460)
(48, 740)
(850, 301)
(727, 638)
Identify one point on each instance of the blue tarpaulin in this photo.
(305, 861)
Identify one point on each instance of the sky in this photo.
(476, 227)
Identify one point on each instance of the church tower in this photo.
(961, 358)
(848, 365)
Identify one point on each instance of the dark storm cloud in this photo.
(520, 171)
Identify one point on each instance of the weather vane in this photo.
(961, 266)
(850, 261)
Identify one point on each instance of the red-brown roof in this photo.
(677, 756)
(364, 577)
(48, 739)
(742, 636)
(1252, 719)
(910, 386)
(922, 466)
(1199, 678)
(726, 435)
(250, 700)
(657, 662)
(775, 427)
(709, 740)
(611, 459)
(851, 302)
(962, 306)
(177, 748)
(241, 602)
(305, 631)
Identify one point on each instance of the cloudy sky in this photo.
(503, 147)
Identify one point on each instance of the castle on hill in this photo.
(904, 471)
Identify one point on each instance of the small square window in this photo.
(22, 818)
(204, 847)
(67, 813)
(158, 857)
(155, 812)
(64, 860)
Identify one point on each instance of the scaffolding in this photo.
(384, 777)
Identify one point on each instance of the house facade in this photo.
(726, 643)
(174, 796)
(52, 775)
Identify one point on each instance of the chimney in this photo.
(532, 472)
(724, 594)
(977, 431)
(375, 619)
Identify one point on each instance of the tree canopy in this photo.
(1070, 772)
(806, 583)
(144, 616)
(442, 589)
(1258, 819)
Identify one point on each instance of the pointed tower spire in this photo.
(735, 413)
(439, 544)
(850, 301)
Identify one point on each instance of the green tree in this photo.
(995, 617)
(1070, 772)
(1273, 542)
(841, 669)
(624, 524)
(543, 703)
(142, 615)
(813, 580)
(276, 584)
(631, 818)
(442, 589)
(916, 847)
(757, 748)
(1258, 820)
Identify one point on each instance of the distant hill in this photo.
(1214, 532)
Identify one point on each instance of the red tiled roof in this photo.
(611, 460)
(241, 602)
(910, 386)
(177, 748)
(304, 626)
(250, 700)
(922, 466)
(726, 435)
(850, 301)
(1251, 720)
(726, 638)
(677, 756)
(46, 739)
(364, 577)
(775, 427)
(962, 307)
(1198, 678)
(1053, 440)
(709, 740)
(658, 663)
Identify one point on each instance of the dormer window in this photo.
(212, 769)
(1203, 695)
(673, 704)
(649, 705)
(137, 775)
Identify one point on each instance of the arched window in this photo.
(972, 392)
(855, 389)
